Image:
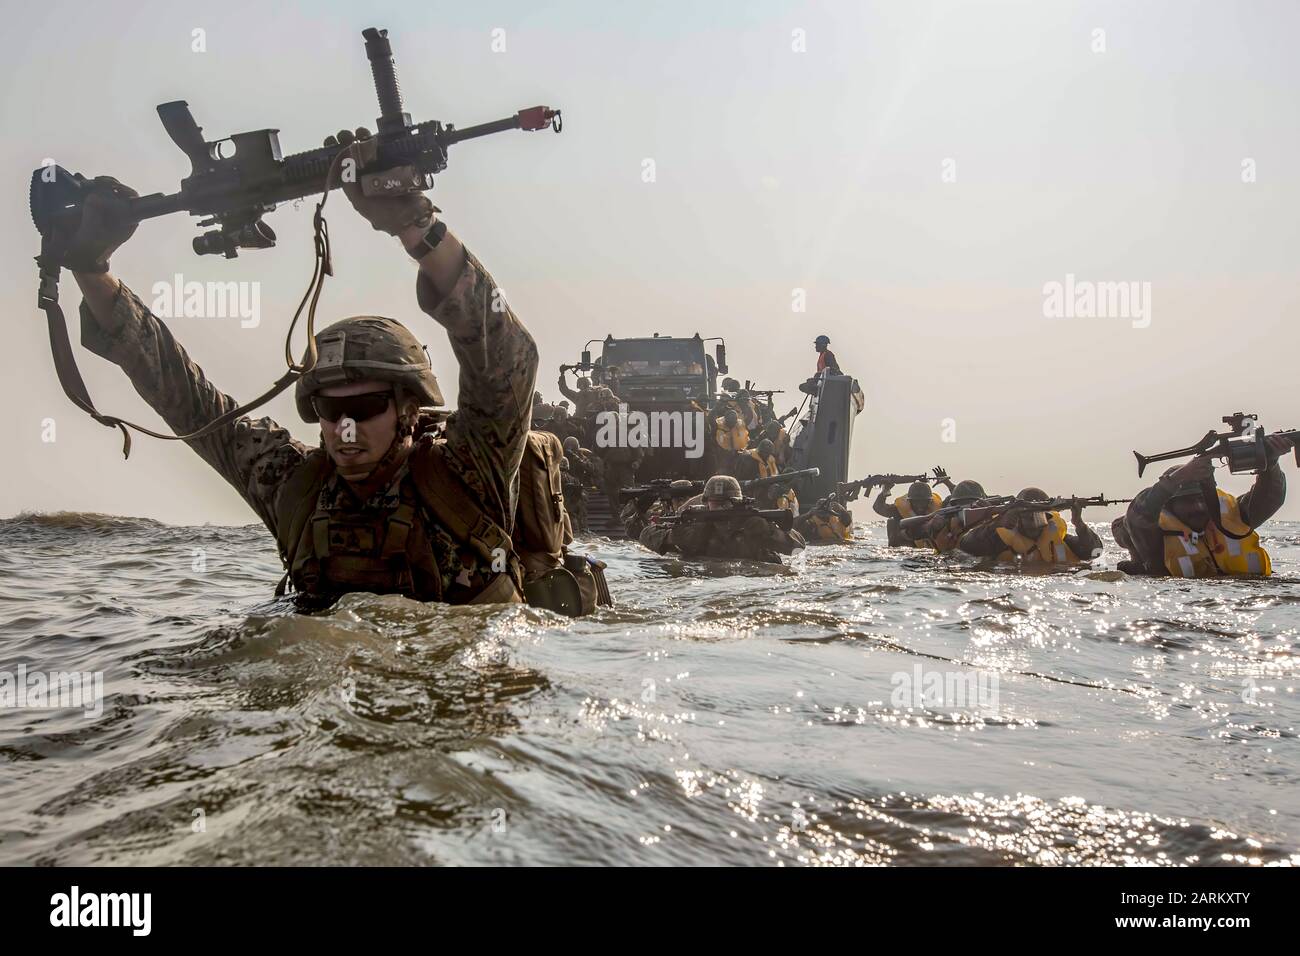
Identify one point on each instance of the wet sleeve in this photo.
(1143, 522)
(983, 541)
(253, 456)
(1085, 544)
(884, 507)
(498, 368)
(567, 390)
(1265, 496)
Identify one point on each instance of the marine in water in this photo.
(1186, 526)
(376, 507)
(725, 528)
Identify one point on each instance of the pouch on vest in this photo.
(556, 590)
(590, 575)
(541, 523)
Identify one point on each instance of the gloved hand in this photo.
(104, 225)
(1275, 446)
(1200, 469)
(390, 214)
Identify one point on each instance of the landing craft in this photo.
(677, 375)
(823, 437)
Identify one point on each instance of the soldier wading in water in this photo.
(377, 507)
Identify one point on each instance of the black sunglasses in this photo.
(359, 408)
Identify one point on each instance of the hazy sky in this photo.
(921, 170)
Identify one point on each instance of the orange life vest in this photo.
(1226, 547)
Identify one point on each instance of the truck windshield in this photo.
(655, 357)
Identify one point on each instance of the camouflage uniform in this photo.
(484, 440)
(575, 499)
(747, 537)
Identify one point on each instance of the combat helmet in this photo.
(730, 385)
(571, 444)
(967, 491)
(681, 488)
(363, 348)
(722, 488)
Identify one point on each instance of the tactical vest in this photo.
(329, 553)
(1228, 546)
(1048, 548)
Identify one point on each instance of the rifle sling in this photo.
(74, 386)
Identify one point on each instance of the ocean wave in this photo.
(79, 520)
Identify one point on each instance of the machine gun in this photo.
(765, 392)
(235, 180)
(783, 518)
(1243, 445)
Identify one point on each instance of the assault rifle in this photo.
(849, 490)
(916, 524)
(781, 517)
(656, 489)
(781, 480)
(235, 180)
(1243, 445)
(986, 509)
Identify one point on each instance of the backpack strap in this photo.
(448, 499)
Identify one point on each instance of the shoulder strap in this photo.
(296, 502)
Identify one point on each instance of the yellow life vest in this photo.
(1049, 548)
(905, 507)
(731, 439)
(826, 527)
(948, 536)
(905, 511)
(768, 468)
(1228, 546)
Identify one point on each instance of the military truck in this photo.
(657, 376)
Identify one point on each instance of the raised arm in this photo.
(1085, 542)
(883, 506)
(1268, 492)
(253, 456)
(567, 390)
(496, 355)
